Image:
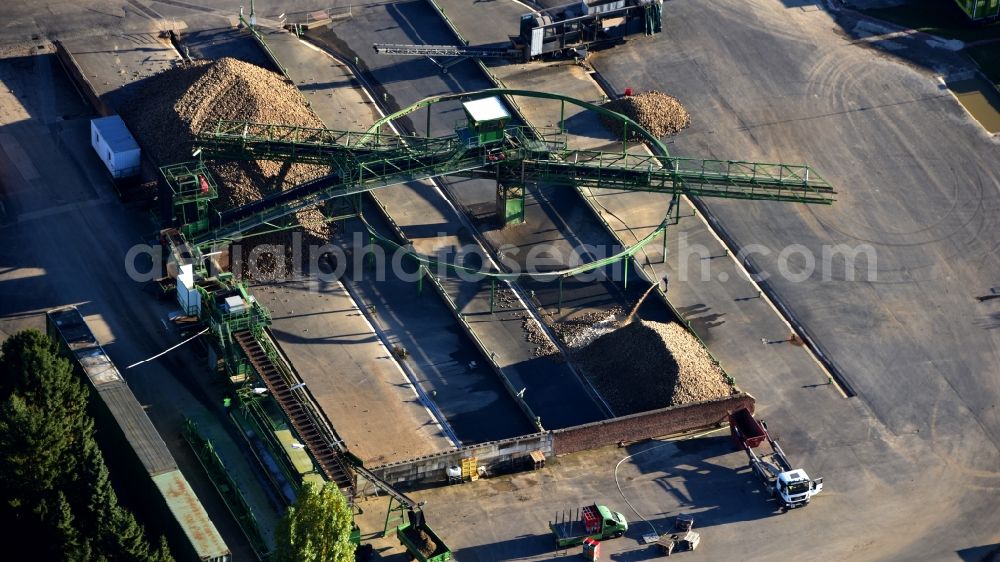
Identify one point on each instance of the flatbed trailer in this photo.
(681, 538)
(590, 521)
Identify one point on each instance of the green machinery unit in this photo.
(230, 309)
(980, 10)
(192, 191)
(485, 125)
(487, 120)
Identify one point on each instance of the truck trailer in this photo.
(790, 487)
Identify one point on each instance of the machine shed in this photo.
(133, 449)
(115, 146)
(486, 109)
(188, 511)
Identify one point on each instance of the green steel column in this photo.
(625, 260)
(559, 309)
(369, 254)
(388, 513)
(562, 116)
(420, 279)
(625, 137)
(428, 121)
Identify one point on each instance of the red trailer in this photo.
(791, 487)
(744, 428)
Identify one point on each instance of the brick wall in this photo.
(647, 425)
(81, 80)
(430, 469)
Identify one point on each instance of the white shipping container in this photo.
(187, 294)
(115, 146)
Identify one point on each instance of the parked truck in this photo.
(791, 487)
(591, 521)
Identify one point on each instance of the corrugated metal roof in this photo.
(138, 430)
(187, 509)
(486, 109)
(113, 390)
(72, 328)
(98, 366)
(82, 343)
(141, 435)
(115, 133)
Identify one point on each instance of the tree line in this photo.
(56, 499)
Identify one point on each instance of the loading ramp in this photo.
(315, 434)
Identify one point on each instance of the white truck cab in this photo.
(794, 488)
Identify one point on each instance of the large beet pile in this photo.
(169, 107)
(658, 113)
(648, 365)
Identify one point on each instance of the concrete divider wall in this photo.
(453, 308)
(79, 78)
(430, 469)
(646, 425)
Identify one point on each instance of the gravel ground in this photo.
(533, 333)
(658, 113)
(648, 365)
(169, 107)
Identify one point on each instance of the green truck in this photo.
(981, 11)
(592, 521)
(421, 543)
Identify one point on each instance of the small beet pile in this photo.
(650, 365)
(658, 113)
(423, 541)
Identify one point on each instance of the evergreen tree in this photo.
(317, 528)
(55, 490)
(69, 542)
(43, 417)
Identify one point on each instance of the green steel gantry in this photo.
(521, 156)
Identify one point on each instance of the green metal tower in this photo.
(193, 189)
